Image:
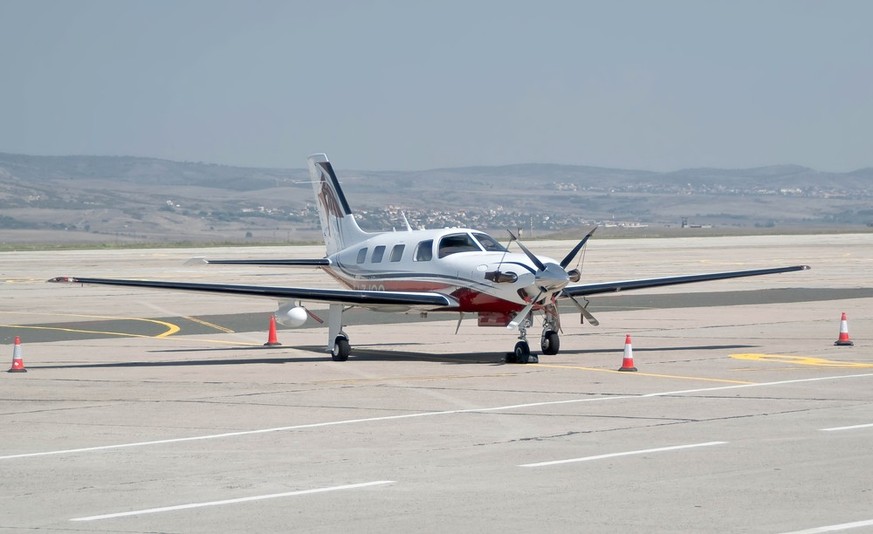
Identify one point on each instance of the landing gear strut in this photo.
(337, 340)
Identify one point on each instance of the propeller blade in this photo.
(591, 319)
(569, 258)
(585, 313)
(536, 261)
(520, 316)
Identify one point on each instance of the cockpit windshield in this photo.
(454, 243)
(488, 243)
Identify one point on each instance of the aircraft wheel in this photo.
(551, 342)
(522, 352)
(341, 349)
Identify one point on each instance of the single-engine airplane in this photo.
(449, 270)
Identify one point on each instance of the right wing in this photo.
(643, 283)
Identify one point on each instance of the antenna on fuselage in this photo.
(403, 214)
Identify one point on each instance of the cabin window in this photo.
(378, 252)
(397, 252)
(424, 251)
(362, 255)
(489, 243)
(454, 243)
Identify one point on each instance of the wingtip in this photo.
(62, 280)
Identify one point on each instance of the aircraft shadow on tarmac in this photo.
(359, 355)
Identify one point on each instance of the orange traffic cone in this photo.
(627, 364)
(17, 362)
(844, 340)
(272, 339)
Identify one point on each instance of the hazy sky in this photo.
(657, 85)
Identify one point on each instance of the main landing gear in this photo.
(341, 348)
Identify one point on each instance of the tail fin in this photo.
(338, 224)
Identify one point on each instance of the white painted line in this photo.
(306, 426)
(757, 385)
(627, 453)
(231, 501)
(846, 428)
(835, 528)
(420, 414)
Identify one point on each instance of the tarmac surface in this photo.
(156, 411)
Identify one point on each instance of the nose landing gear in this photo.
(521, 353)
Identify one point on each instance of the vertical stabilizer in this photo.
(338, 224)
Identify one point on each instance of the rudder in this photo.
(338, 225)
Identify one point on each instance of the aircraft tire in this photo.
(551, 342)
(341, 349)
(522, 352)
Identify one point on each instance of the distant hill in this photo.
(96, 198)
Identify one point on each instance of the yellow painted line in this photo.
(801, 360)
(76, 330)
(679, 377)
(209, 325)
(171, 328)
(125, 334)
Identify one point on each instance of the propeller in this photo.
(550, 277)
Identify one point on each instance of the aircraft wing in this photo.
(343, 296)
(644, 283)
(321, 262)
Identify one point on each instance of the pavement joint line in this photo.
(626, 453)
(232, 501)
(421, 414)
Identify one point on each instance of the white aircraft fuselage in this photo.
(425, 260)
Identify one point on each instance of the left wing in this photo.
(611, 287)
(343, 296)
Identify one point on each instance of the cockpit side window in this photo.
(489, 243)
(424, 251)
(454, 243)
(362, 255)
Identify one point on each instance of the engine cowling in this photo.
(291, 316)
